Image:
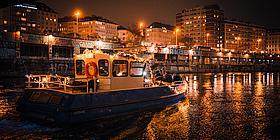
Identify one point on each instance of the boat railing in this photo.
(56, 82)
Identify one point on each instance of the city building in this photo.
(125, 35)
(273, 41)
(204, 25)
(244, 36)
(160, 34)
(31, 17)
(89, 27)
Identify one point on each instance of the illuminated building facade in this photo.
(89, 27)
(160, 34)
(273, 41)
(33, 17)
(244, 36)
(125, 35)
(204, 25)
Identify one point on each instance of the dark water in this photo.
(218, 106)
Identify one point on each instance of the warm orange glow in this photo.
(77, 13)
(208, 34)
(177, 29)
(238, 38)
(141, 24)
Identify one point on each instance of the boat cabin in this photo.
(96, 71)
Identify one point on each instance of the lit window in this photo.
(5, 31)
(47, 18)
(103, 67)
(54, 20)
(120, 68)
(5, 21)
(137, 69)
(28, 10)
(23, 28)
(33, 25)
(23, 19)
(17, 13)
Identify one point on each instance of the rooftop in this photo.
(161, 25)
(36, 5)
(242, 23)
(87, 18)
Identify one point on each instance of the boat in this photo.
(103, 86)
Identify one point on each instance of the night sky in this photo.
(128, 12)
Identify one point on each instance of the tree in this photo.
(136, 33)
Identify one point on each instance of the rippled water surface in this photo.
(218, 106)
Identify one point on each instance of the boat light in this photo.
(147, 80)
(119, 74)
(44, 79)
(144, 73)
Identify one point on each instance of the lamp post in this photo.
(229, 55)
(207, 36)
(141, 24)
(176, 33)
(77, 14)
(259, 40)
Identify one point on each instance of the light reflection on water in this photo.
(224, 106)
(218, 106)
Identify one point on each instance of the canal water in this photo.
(218, 106)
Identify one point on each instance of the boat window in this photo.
(103, 67)
(80, 67)
(137, 68)
(120, 68)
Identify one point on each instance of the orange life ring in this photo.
(91, 69)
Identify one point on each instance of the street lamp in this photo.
(229, 55)
(141, 24)
(176, 33)
(259, 40)
(207, 36)
(77, 14)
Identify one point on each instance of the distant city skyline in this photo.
(128, 12)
